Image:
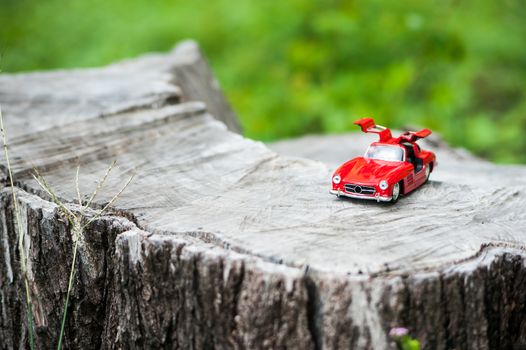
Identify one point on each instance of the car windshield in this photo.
(389, 153)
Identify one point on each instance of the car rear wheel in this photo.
(428, 171)
(396, 192)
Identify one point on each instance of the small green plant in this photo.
(78, 219)
(402, 338)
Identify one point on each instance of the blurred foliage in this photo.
(299, 66)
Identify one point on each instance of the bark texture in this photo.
(223, 242)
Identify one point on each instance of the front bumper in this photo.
(375, 197)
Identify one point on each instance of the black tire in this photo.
(397, 191)
(429, 167)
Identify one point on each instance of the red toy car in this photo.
(391, 167)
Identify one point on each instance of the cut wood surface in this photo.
(224, 242)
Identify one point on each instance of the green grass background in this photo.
(295, 67)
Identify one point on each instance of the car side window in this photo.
(409, 153)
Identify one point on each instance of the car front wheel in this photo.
(396, 192)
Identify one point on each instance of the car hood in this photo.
(369, 171)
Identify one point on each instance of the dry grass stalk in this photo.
(78, 221)
(21, 237)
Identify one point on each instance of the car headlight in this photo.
(336, 179)
(384, 185)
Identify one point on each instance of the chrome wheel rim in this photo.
(396, 191)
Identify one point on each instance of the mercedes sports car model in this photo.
(391, 167)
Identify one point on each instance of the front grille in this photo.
(359, 189)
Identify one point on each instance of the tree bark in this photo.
(223, 242)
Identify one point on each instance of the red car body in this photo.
(391, 167)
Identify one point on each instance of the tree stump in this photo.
(223, 242)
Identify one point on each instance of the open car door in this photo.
(413, 136)
(368, 125)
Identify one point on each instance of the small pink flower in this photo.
(398, 332)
